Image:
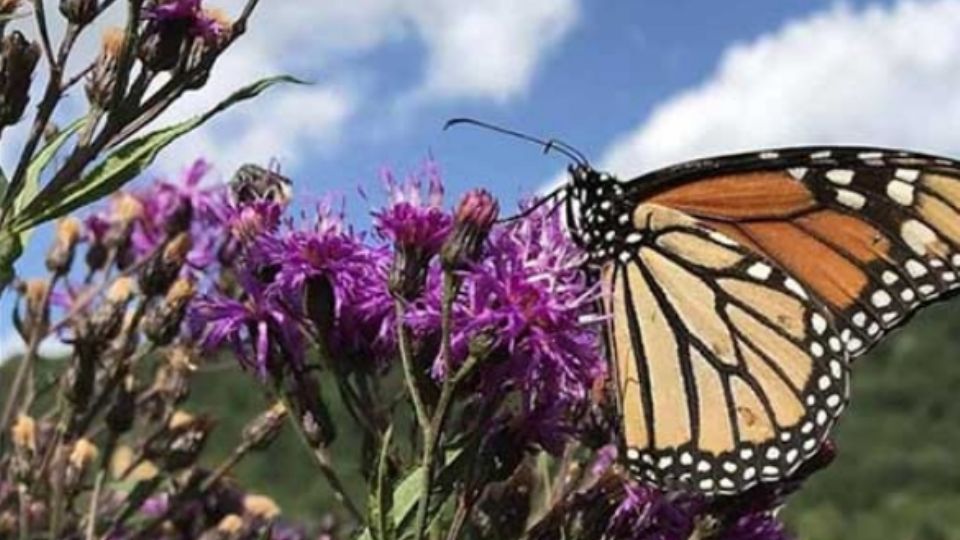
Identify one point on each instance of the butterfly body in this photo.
(739, 289)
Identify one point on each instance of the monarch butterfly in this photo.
(739, 289)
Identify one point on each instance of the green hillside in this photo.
(897, 476)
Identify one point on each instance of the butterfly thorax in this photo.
(598, 215)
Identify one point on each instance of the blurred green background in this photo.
(897, 475)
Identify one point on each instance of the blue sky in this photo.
(632, 84)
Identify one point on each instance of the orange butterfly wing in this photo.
(739, 288)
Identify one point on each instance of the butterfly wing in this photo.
(872, 234)
(725, 376)
(748, 285)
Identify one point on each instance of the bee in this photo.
(254, 183)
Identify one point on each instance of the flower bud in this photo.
(103, 78)
(183, 441)
(473, 220)
(19, 59)
(263, 429)
(60, 257)
(161, 271)
(79, 12)
(107, 321)
(34, 293)
(161, 323)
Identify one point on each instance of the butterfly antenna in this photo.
(558, 193)
(553, 144)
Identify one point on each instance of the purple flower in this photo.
(411, 222)
(259, 327)
(755, 526)
(186, 12)
(643, 513)
(156, 506)
(528, 295)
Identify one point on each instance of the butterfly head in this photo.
(596, 215)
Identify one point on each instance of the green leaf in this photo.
(406, 495)
(380, 520)
(125, 163)
(31, 180)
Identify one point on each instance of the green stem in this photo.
(431, 433)
(409, 374)
(323, 463)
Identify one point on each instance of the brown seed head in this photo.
(83, 454)
(121, 291)
(230, 524)
(24, 433)
(261, 507)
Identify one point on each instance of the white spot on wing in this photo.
(851, 199)
(759, 270)
(841, 177)
(900, 192)
(917, 235)
(909, 175)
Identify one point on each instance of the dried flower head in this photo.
(18, 59)
(60, 256)
(230, 524)
(101, 81)
(261, 507)
(161, 323)
(24, 433)
(160, 272)
(84, 453)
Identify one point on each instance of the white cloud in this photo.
(491, 48)
(880, 76)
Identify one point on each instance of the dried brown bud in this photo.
(161, 323)
(165, 43)
(161, 271)
(19, 59)
(103, 79)
(60, 256)
(107, 321)
(79, 12)
(473, 220)
(261, 507)
(7, 7)
(184, 441)
(81, 456)
(24, 433)
(35, 293)
(263, 429)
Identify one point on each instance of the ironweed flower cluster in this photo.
(467, 353)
